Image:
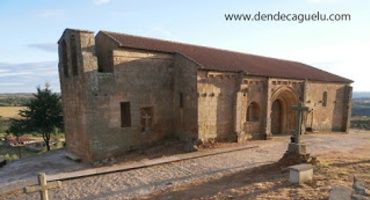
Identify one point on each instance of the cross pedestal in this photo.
(299, 148)
(43, 187)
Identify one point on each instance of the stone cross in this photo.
(43, 186)
(300, 109)
(146, 117)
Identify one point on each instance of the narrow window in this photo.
(64, 58)
(181, 100)
(125, 114)
(74, 56)
(324, 99)
(253, 112)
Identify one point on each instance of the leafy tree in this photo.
(10, 100)
(18, 128)
(43, 114)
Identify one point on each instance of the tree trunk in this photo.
(46, 137)
(47, 145)
(19, 147)
(19, 152)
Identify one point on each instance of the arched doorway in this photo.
(276, 118)
(283, 118)
(253, 112)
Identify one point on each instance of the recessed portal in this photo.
(276, 119)
(282, 115)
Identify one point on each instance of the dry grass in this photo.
(10, 111)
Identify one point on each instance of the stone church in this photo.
(122, 92)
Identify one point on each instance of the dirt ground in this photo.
(271, 181)
(50, 162)
(247, 174)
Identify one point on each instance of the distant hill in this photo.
(15, 99)
(361, 104)
(357, 95)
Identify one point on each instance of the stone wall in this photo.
(104, 51)
(166, 95)
(75, 77)
(145, 80)
(330, 115)
(185, 98)
(92, 99)
(216, 102)
(226, 115)
(255, 88)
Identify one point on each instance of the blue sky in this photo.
(30, 30)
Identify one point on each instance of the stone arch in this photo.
(283, 118)
(253, 112)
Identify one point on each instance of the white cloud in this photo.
(101, 2)
(11, 84)
(25, 77)
(11, 74)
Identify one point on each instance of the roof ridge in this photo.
(224, 59)
(107, 33)
(78, 30)
(193, 45)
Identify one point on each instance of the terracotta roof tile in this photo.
(224, 60)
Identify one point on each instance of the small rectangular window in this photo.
(125, 114)
(181, 100)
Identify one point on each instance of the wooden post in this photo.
(43, 186)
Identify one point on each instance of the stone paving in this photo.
(135, 183)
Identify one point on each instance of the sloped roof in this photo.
(224, 60)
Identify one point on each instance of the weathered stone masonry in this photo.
(119, 95)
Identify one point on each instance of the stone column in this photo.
(348, 108)
(268, 110)
(240, 115)
(304, 100)
(304, 91)
(238, 107)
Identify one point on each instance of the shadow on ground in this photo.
(262, 180)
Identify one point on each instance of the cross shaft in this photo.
(300, 108)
